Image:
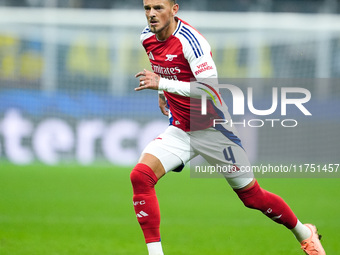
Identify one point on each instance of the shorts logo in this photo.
(170, 57)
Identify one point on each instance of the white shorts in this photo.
(175, 147)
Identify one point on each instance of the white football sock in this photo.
(155, 248)
(301, 232)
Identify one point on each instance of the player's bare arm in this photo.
(147, 80)
(163, 105)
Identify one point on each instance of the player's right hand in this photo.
(147, 80)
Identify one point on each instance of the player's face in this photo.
(160, 16)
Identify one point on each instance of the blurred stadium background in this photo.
(67, 75)
(70, 121)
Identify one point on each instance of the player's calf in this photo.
(145, 202)
(268, 203)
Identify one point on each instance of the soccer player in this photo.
(178, 53)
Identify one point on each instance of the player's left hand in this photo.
(147, 80)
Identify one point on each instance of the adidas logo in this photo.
(142, 214)
(276, 217)
(151, 56)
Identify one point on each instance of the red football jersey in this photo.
(184, 56)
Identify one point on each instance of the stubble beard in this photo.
(158, 31)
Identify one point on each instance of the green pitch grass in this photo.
(71, 210)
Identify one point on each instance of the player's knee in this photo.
(142, 178)
(136, 177)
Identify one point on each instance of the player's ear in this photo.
(175, 9)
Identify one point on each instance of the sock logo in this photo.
(268, 211)
(276, 217)
(142, 214)
(139, 202)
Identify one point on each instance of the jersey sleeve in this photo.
(182, 88)
(145, 34)
(197, 51)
